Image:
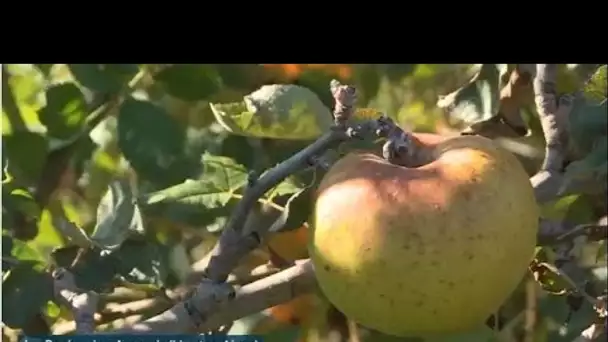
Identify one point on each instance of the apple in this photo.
(426, 250)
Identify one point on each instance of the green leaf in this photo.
(238, 76)
(478, 101)
(223, 178)
(65, 111)
(396, 72)
(588, 123)
(368, 78)
(549, 278)
(597, 87)
(592, 169)
(191, 82)
(143, 262)
(554, 311)
(94, 271)
(103, 78)
(118, 217)
(278, 111)
(27, 153)
(297, 210)
(602, 251)
(241, 150)
(25, 291)
(287, 187)
(21, 200)
(190, 214)
(20, 250)
(153, 143)
(52, 310)
(44, 68)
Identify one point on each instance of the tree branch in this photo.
(233, 243)
(555, 232)
(82, 304)
(251, 298)
(554, 121)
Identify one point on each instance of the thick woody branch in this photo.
(83, 304)
(554, 120)
(251, 298)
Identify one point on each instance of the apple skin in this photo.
(429, 250)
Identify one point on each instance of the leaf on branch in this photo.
(27, 152)
(588, 122)
(588, 174)
(18, 199)
(514, 96)
(190, 82)
(25, 291)
(45, 69)
(573, 208)
(602, 251)
(597, 87)
(118, 216)
(549, 279)
(65, 111)
(103, 78)
(15, 251)
(136, 263)
(153, 143)
(20, 212)
(143, 262)
(297, 210)
(477, 101)
(286, 187)
(222, 179)
(93, 271)
(278, 111)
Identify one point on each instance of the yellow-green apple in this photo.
(427, 250)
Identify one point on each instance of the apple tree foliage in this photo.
(126, 173)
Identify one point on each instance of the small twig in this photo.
(555, 232)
